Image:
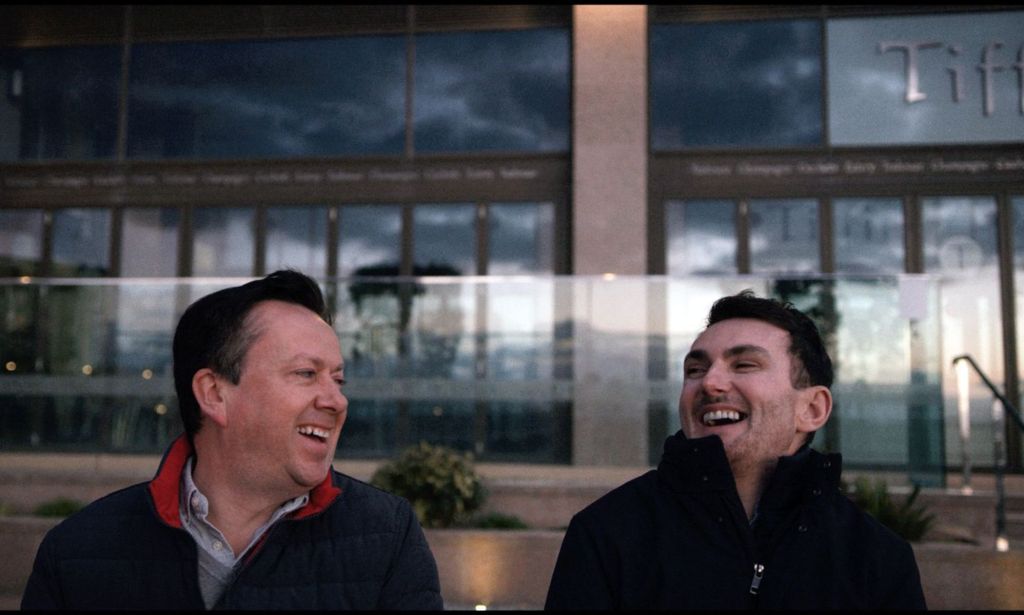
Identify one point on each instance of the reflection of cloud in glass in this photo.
(445, 235)
(268, 98)
(368, 235)
(948, 221)
(701, 237)
(783, 235)
(492, 91)
(868, 235)
(67, 107)
(736, 83)
(520, 239)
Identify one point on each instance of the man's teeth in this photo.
(714, 417)
(314, 431)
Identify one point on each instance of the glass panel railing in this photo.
(551, 370)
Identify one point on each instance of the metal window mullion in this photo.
(1004, 243)
(742, 236)
(259, 252)
(116, 232)
(825, 235)
(410, 80)
(333, 225)
(913, 235)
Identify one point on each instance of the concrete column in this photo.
(609, 166)
(610, 234)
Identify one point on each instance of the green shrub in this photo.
(909, 521)
(60, 507)
(498, 521)
(440, 483)
(6, 509)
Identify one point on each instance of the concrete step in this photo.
(10, 602)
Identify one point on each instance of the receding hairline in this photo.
(254, 325)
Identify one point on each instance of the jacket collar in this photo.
(700, 464)
(165, 488)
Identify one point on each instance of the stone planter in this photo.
(512, 568)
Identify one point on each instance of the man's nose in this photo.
(716, 379)
(331, 399)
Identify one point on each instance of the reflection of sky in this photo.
(81, 237)
(149, 242)
(445, 234)
(784, 235)
(735, 83)
(268, 98)
(223, 241)
(519, 240)
(868, 235)
(867, 88)
(492, 91)
(951, 222)
(68, 109)
(297, 238)
(1018, 236)
(21, 232)
(369, 235)
(701, 237)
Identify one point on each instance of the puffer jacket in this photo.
(678, 537)
(352, 546)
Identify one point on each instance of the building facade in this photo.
(496, 195)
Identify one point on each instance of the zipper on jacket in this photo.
(755, 583)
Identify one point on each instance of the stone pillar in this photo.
(609, 165)
(609, 194)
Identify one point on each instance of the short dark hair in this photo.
(214, 332)
(813, 366)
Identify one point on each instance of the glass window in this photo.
(868, 235)
(444, 239)
(297, 239)
(1017, 207)
(81, 242)
(59, 103)
(743, 84)
(925, 79)
(492, 91)
(960, 243)
(1017, 203)
(700, 237)
(223, 241)
(149, 242)
(959, 233)
(268, 99)
(784, 236)
(369, 236)
(21, 241)
(520, 238)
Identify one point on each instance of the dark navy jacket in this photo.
(678, 537)
(352, 546)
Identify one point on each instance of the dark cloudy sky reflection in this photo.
(492, 91)
(747, 84)
(255, 99)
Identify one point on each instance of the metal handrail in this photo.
(1000, 404)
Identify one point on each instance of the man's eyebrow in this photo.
(696, 355)
(745, 349)
(702, 355)
(316, 361)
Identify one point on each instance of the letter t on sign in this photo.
(910, 49)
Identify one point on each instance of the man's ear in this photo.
(815, 409)
(208, 388)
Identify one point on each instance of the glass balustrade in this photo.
(549, 369)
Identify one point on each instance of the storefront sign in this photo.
(935, 79)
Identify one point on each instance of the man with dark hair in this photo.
(246, 511)
(741, 512)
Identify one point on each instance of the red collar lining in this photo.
(165, 488)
